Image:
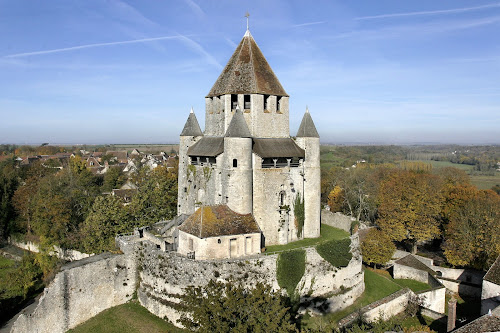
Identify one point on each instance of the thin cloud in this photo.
(88, 46)
(404, 31)
(230, 43)
(198, 48)
(309, 23)
(431, 12)
(195, 7)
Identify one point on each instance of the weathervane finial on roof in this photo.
(247, 15)
(192, 111)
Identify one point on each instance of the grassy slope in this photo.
(129, 317)
(327, 233)
(377, 285)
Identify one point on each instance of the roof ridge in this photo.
(251, 61)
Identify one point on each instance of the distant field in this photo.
(480, 181)
(444, 164)
(145, 147)
(129, 317)
(329, 160)
(485, 182)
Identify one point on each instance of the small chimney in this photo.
(452, 314)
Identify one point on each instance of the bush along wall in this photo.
(336, 252)
(291, 268)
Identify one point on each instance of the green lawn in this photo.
(126, 318)
(327, 233)
(416, 286)
(376, 287)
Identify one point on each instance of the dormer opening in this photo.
(278, 104)
(246, 102)
(234, 101)
(266, 102)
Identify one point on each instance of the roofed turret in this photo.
(192, 127)
(247, 72)
(238, 127)
(307, 128)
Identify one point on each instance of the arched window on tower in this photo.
(278, 104)
(235, 163)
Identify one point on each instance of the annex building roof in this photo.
(219, 220)
(247, 72)
(493, 274)
(413, 262)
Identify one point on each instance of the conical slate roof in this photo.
(191, 128)
(247, 72)
(307, 128)
(238, 126)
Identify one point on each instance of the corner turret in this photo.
(192, 127)
(308, 139)
(189, 136)
(307, 128)
(238, 175)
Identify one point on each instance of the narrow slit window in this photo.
(234, 101)
(278, 103)
(246, 102)
(266, 102)
(235, 163)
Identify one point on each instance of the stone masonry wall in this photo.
(65, 254)
(337, 220)
(80, 291)
(165, 275)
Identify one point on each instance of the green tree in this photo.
(106, 218)
(409, 207)
(377, 248)
(156, 198)
(113, 178)
(8, 186)
(23, 280)
(228, 307)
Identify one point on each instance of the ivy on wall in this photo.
(291, 268)
(298, 209)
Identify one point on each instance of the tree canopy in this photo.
(409, 207)
(377, 248)
(229, 307)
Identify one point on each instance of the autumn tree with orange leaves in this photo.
(409, 207)
(472, 231)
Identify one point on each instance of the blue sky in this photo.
(79, 71)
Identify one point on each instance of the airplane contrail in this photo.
(87, 46)
(431, 12)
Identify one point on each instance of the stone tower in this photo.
(246, 159)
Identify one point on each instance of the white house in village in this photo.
(246, 163)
